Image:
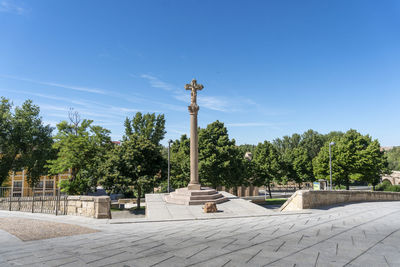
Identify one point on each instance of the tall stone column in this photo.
(194, 150)
(194, 183)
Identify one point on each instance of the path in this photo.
(352, 235)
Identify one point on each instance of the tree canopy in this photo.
(81, 148)
(268, 165)
(25, 142)
(148, 125)
(136, 165)
(393, 156)
(354, 157)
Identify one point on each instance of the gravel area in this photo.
(30, 229)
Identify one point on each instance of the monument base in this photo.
(185, 196)
(194, 187)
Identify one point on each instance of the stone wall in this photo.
(89, 206)
(310, 199)
(242, 191)
(393, 178)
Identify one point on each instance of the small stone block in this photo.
(194, 187)
(210, 207)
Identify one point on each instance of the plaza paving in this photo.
(352, 235)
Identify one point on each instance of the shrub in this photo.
(393, 188)
(341, 187)
(383, 186)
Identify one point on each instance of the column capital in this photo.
(193, 109)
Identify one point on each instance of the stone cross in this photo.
(194, 183)
(194, 87)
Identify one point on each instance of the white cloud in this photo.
(223, 104)
(157, 83)
(60, 85)
(215, 103)
(9, 7)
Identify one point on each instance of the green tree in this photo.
(247, 148)
(220, 160)
(268, 165)
(148, 125)
(289, 149)
(393, 156)
(374, 163)
(287, 143)
(180, 162)
(139, 161)
(134, 165)
(25, 142)
(81, 147)
(301, 163)
(354, 157)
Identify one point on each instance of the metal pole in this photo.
(33, 199)
(169, 158)
(330, 165)
(57, 199)
(10, 199)
(169, 163)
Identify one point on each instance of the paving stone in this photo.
(359, 234)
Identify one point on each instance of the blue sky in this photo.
(269, 68)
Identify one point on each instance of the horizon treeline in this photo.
(139, 163)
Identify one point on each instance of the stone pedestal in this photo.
(186, 196)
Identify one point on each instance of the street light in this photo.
(330, 162)
(169, 157)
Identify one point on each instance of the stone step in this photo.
(204, 191)
(196, 197)
(202, 202)
(182, 201)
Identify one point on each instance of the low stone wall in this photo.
(89, 206)
(310, 199)
(242, 191)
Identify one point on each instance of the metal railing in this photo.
(33, 201)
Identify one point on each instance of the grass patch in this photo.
(131, 209)
(274, 201)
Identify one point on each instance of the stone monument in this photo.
(194, 194)
(194, 146)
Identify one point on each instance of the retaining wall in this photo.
(89, 206)
(310, 199)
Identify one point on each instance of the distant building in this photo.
(47, 185)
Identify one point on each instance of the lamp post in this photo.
(169, 158)
(330, 163)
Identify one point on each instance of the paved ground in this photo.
(29, 229)
(158, 209)
(353, 235)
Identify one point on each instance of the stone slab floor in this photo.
(364, 234)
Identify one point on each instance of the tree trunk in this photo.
(299, 186)
(347, 184)
(269, 190)
(235, 190)
(139, 193)
(74, 171)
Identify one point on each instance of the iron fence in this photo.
(33, 201)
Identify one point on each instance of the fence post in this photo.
(9, 208)
(57, 199)
(65, 205)
(19, 203)
(33, 199)
(41, 209)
